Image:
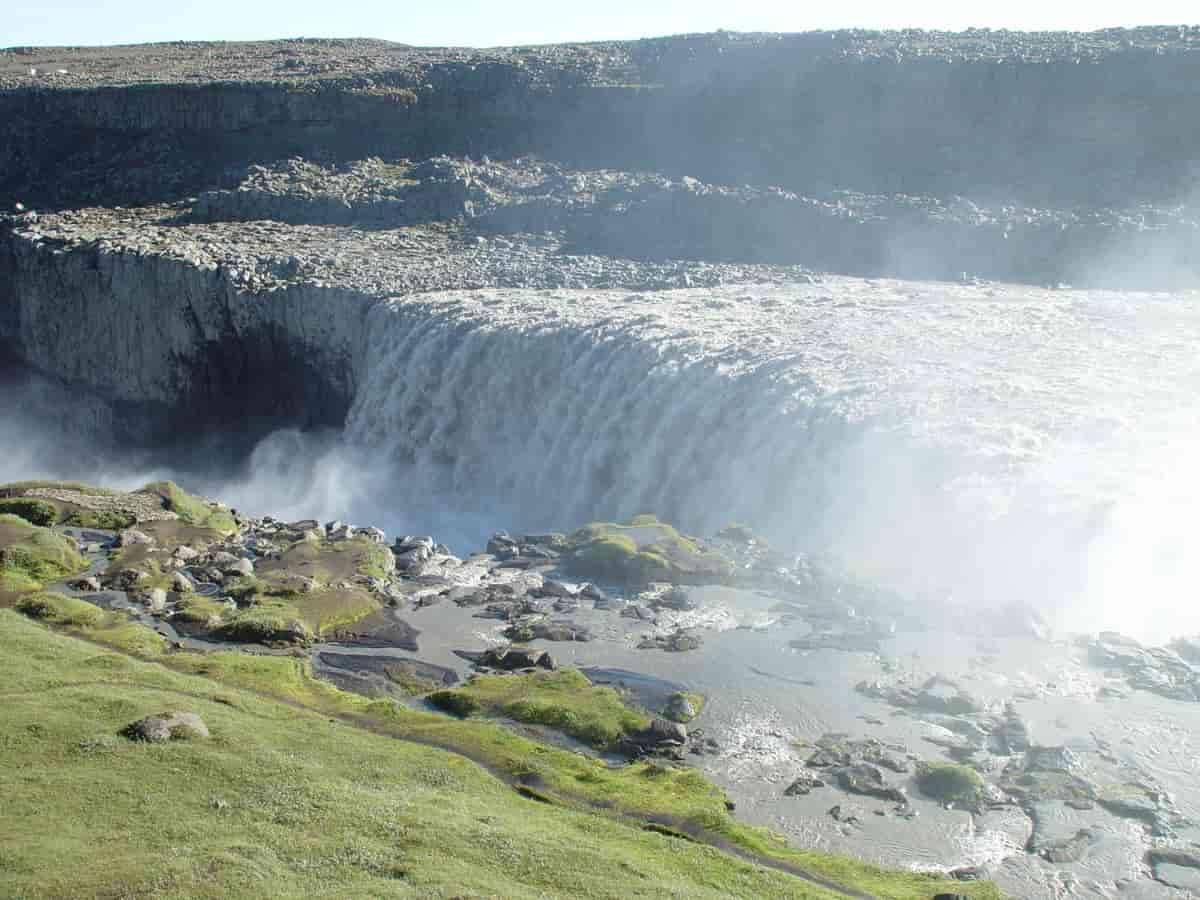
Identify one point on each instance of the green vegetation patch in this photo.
(30, 556)
(640, 551)
(564, 700)
(950, 783)
(192, 509)
(287, 803)
(60, 609)
(31, 509)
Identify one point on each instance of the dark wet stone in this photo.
(1068, 850)
(675, 598)
(391, 666)
(561, 631)
(677, 642)
(661, 735)
(1052, 759)
(866, 779)
(380, 629)
(804, 784)
(512, 658)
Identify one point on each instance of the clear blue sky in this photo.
(496, 22)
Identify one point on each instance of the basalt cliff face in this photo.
(206, 230)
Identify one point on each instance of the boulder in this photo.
(169, 726)
(155, 600)
(375, 535)
(87, 585)
(185, 553)
(131, 537)
(511, 658)
(866, 779)
(803, 785)
(182, 584)
(659, 735)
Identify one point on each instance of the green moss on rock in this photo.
(642, 550)
(950, 783)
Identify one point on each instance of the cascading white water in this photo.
(996, 441)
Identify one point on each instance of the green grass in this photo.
(31, 509)
(60, 609)
(112, 519)
(31, 556)
(564, 700)
(281, 802)
(192, 509)
(637, 792)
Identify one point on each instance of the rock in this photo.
(511, 658)
(176, 726)
(1068, 850)
(680, 709)
(804, 784)
(339, 531)
(186, 553)
(552, 541)
(87, 585)
(131, 537)
(660, 735)
(182, 584)
(242, 567)
(637, 611)
(223, 559)
(589, 591)
(864, 778)
(552, 587)
(502, 546)
(675, 598)
(155, 600)
(375, 535)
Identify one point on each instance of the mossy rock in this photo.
(683, 706)
(950, 783)
(640, 551)
(192, 509)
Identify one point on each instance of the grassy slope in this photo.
(284, 802)
(642, 791)
(31, 556)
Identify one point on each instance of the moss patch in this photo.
(60, 609)
(192, 509)
(640, 551)
(950, 783)
(31, 556)
(564, 700)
